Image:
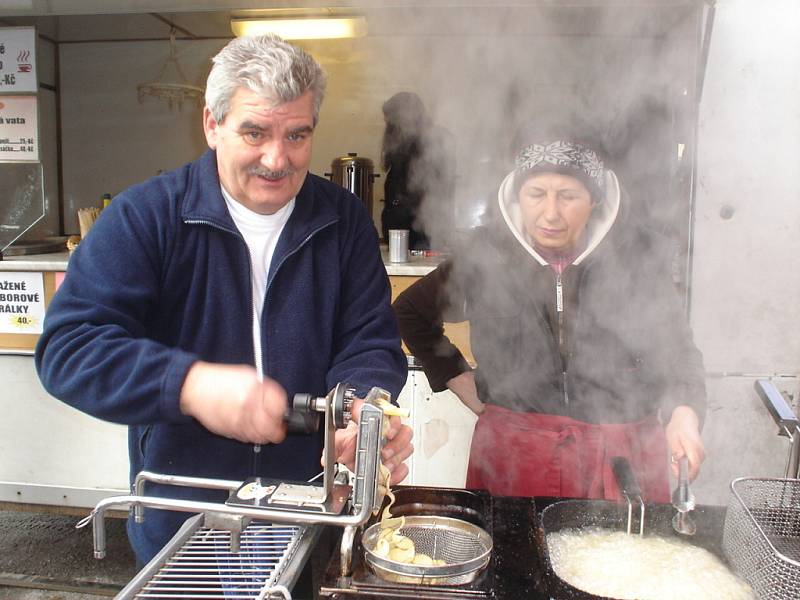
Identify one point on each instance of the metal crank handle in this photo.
(303, 416)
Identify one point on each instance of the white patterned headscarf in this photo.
(565, 157)
(568, 158)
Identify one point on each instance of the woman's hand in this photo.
(683, 438)
(463, 386)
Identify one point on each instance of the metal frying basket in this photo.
(761, 539)
(466, 548)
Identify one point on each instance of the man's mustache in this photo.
(270, 174)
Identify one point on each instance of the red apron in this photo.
(529, 454)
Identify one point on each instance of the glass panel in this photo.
(21, 199)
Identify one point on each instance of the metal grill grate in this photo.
(762, 535)
(204, 567)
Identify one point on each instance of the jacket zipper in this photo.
(257, 447)
(292, 253)
(560, 327)
(256, 359)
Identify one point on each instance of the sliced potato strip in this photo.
(390, 409)
(391, 543)
(422, 559)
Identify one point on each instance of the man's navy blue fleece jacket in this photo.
(163, 280)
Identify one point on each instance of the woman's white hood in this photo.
(600, 222)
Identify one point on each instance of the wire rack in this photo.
(762, 535)
(203, 566)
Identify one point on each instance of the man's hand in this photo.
(397, 449)
(683, 438)
(463, 386)
(230, 400)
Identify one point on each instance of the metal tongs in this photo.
(683, 501)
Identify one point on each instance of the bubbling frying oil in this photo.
(628, 567)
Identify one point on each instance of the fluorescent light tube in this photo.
(303, 28)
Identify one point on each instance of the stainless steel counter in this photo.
(416, 266)
(56, 261)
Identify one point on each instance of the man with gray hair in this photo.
(206, 296)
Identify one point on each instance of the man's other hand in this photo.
(397, 449)
(230, 400)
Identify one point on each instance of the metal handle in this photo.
(629, 485)
(778, 408)
(682, 497)
(301, 417)
(626, 480)
(785, 419)
(683, 479)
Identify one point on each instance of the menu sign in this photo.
(21, 302)
(18, 60)
(19, 131)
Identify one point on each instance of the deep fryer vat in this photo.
(510, 575)
(576, 514)
(463, 546)
(467, 505)
(762, 535)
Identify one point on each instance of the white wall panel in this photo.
(442, 434)
(746, 281)
(49, 452)
(740, 437)
(746, 286)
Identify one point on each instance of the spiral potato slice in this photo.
(391, 543)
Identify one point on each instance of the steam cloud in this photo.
(626, 76)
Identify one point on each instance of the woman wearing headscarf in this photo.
(582, 346)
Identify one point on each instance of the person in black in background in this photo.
(416, 157)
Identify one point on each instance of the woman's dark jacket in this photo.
(626, 350)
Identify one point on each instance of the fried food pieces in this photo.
(395, 546)
(392, 544)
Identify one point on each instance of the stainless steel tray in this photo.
(198, 563)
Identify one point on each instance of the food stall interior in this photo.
(629, 73)
(648, 126)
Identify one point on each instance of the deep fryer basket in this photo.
(465, 547)
(761, 539)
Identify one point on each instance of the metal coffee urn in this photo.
(354, 173)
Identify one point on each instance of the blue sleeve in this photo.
(95, 353)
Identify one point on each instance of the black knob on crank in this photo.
(301, 417)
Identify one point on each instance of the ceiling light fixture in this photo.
(301, 28)
(171, 84)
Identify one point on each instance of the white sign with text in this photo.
(19, 129)
(21, 302)
(18, 60)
